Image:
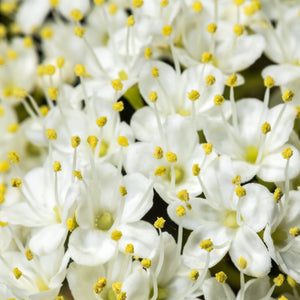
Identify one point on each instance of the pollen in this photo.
(117, 84)
(197, 6)
(44, 110)
(196, 170)
(130, 21)
(20, 93)
(79, 31)
(54, 3)
(92, 141)
(129, 249)
(288, 95)
(183, 195)
(12, 128)
(118, 106)
(123, 190)
(287, 153)
(51, 134)
(3, 224)
(210, 80)
(53, 93)
(50, 70)
(207, 245)
(206, 57)
(242, 262)
(219, 100)
(137, 3)
(269, 82)
(148, 53)
(40, 70)
(75, 141)
(158, 152)
(12, 54)
(146, 263)
(232, 80)
(77, 174)
(238, 2)
(167, 30)
(180, 211)
(71, 224)
(76, 15)
(80, 70)
(193, 95)
(13, 157)
(240, 191)
(100, 285)
(17, 273)
(29, 255)
(122, 141)
(194, 275)
(171, 157)
(155, 72)
(28, 42)
(152, 96)
(238, 30)
(60, 62)
(101, 122)
(291, 281)
(16, 182)
(221, 277)
(207, 148)
(122, 296)
(283, 298)
(212, 28)
(160, 223)
(295, 231)
(279, 280)
(46, 33)
(99, 2)
(236, 180)
(265, 128)
(4, 166)
(116, 235)
(56, 166)
(164, 3)
(113, 8)
(160, 171)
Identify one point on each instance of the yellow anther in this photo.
(196, 170)
(29, 254)
(236, 180)
(155, 72)
(153, 96)
(12, 128)
(207, 148)
(207, 245)
(291, 281)
(158, 152)
(20, 92)
(206, 57)
(50, 70)
(277, 195)
(146, 263)
(283, 298)
(295, 231)
(60, 298)
(117, 84)
(3, 224)
(210, 80)
(15, 28)
(279, 280)
(183, 195)
(171, 157)
(2, 61)
(51, 134)
(123, 75)
(122, 141)
(219, 100)
(17, 273)
(13, 157)
(46, 33)
(238, 29)
(194, 275)
(2, 188)
(122, 296)
(99, 2)
(53, 93)
(102, 282)
(3, 31)
(40, 70)
(16, 182)
(249, 10)
(54, 3)
(101, 122)
(60, 62)
(56, 166)
(180, 211)
(288, 95)
(79, 31)
(75, 141)
(242, 262)
(160, 171)
(7, 92)
(256, 4)
(167, 30)
(232, 80)
(77, 174)
(28, 42)
(44, 110)
(137, 3)
(193, 95)
(130, 21)
(123, 190)
(118, 106)
(240, 191)
(117, 286)
(287, 153)
(97, 288)
(164, 3)
(1, 111)
(197, 6)
(159, 223)
(212, 28)
(71, 224)
(221, 277)
(148, 53)
(116, 235)
(269, 82)
(129, 248)
(80, 70)
(4, 166)
(92, 141)
(298, 111)
(113, 8)
(12, 54)
(238, 2)
(76, 15)
(265, 128)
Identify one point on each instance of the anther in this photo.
(219, 100)
(160, 171)
(129, 249)
(232, 80)
(50, 70)
(183, 195)
(60, 62)
(152, 97)
(288, 95)
(207, 148)
(79, 31)
(240, 191)
(122, 296)
(92, 141)
(171, 157)
(194, 275)
(158, 152)
(80, 70)
(116, 235)
(130, 21)
(242, 262)
(101, 122)
(51, 134)
(221, 277)
(212, 28)
(13, 157)
(295, 231)
(148, 53)
(117, 84)
(287, 153)
(16, 182)
(146, 263)
(56, 166)
(279, 280)
(197, 6)
(137, 3)
(238, 30)
(159, 223)
(29, 255)
(155, 72)
(167, 30)
(180, 211)
(118, 106)
(193, 95)
(46, 33)
(123, 190)
(122, 141)
(269, 82)
(196, 170)
(77, 174)
(210, 80)
(277, 195)
(236, 180)
(207, 245)
(53, 93)
(265, 128)
(76, 15)
(75, 141)
(206, 57)
(17, 273)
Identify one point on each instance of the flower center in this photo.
(41, 285)
(103, 148)
(162, 293)
(103, 221)
(279, 236)
(179, 174)
(251, 154)
(230, 220)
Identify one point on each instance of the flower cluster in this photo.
(120, 121)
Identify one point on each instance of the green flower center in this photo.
(230, 220)
(103, 221)
(251, 154)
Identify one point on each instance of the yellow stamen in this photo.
(295, 231)
(4, 166)
(13, 157)
(158, 153)
(137, 3)
(196, 170)
(210, 80)
(171, 157)
(51, 134)
(212, 28)
(77, 174)
(219, 100)
(159, 223)
(288, 95)
(279, 280)
(269, 82)
(265, 128)
(75, 141)
(118, 106)
(16, 182)
(155, 72)
(53, 93)
(76, 15)
(207, 148)
(130, 21)
(207, 245)
(116, 235)
(221, 277)
(152, 97)
(167, 30)
(92, 141)
(206, 57)
(29, 255)
(242, 262)
(240, 191)
(160, 171)
(56, 166)
(287, 153)
(183, 195)
(238, 30)
(17, 273)
(194, 275)
(197, 6)
(123, 190)
(193, 95)
(148, 53)
(129, 248)
(180, 211)
(122, 141)
(232, 80)
(236, 180)
(79, 31)
(46, 33)
(146, 263)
